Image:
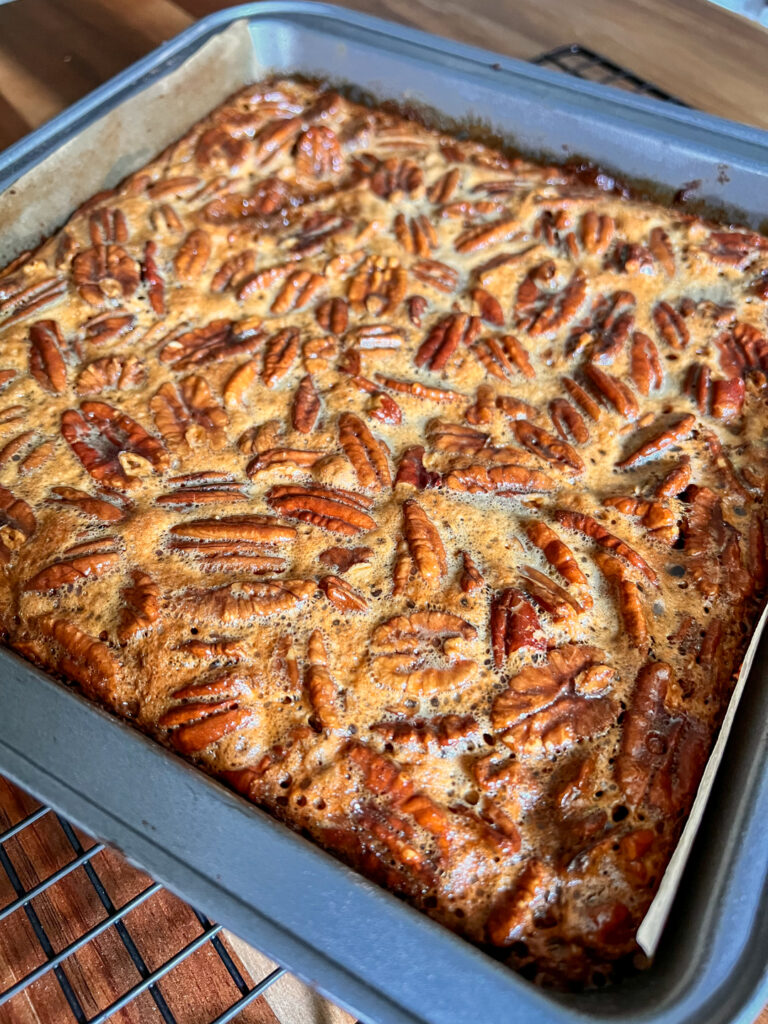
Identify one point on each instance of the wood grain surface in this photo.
(52, 52)
(196, 991)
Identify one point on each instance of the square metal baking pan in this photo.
(355, 942)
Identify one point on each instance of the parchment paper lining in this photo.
(128, 137)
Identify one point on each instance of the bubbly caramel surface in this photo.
(414, 490)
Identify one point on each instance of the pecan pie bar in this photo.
(414, 490)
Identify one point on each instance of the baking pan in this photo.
(355, 942)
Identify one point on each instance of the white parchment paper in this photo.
(649, 932)
(123, 140)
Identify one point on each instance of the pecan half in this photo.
(558, 554)
(416, 236)
(411, 470)
(568, 421)
(413, 657)
(441, 190)
(91, 560)
(99, 435)
(487, 235)
(376, 337)
(205, 488)
(471, 578)
(614, 391)
(321, 689)
(212, 343)
(189, 414)
(298, 291)
(441, 731)
(306, 406)
(505, 479)
(343, 559)
(17, 524)
(597, 232)
(438, 275)
(662, 751)
(46, 356)
(659, 442)
(331, 508)
(596, 531)
(110, 373)
(504, 357)
(200, 722)
(105, 272)
(18, 301)
(79, 656)
(582, 398)
(488, 307)
(108, 326)
(444, 339)
(243, 601)
(514, 625)
(367, 455)
(333, 315)
(671, 326)
(712, 548)
(100, 508)
(140, 607)
(424, 543)
(291, 458)
(646, 368)
(546, 446)
(394, 175)
(280, 353)
(421, 626)
(152, 278)
(342, 594)
(318, 153)
(455, 437)
(235, 530)
(628, 594)
(193, 256)
(543, 709)
(37, 457)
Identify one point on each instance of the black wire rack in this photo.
(115, 918)
(583, 63)
(573, 60)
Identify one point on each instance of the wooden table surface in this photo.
(54, 51)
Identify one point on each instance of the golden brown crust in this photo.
(414, 490)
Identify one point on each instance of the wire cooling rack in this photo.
(581, 62)
(573, 60)
(54, 961)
